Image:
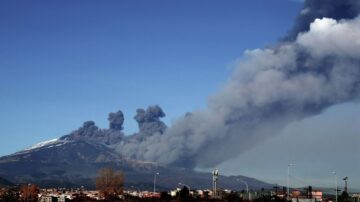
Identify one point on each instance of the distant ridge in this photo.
(5, 183)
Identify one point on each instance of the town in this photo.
(110, 187)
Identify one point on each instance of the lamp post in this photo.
(155, 174)
(247, 187)
(336, 186)
(288, 181)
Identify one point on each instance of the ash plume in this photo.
(316, 67)
(149, 120)
(150, 124)
(88, 130)
(116, 120)
(91, 133)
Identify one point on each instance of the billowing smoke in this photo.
(149, 120)
(89, 129)
(317, 66)
(149, 125)
(116, 120)
(91, 133)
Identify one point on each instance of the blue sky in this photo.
(65, 62)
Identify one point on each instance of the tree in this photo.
(344, 197)
(29, 192)
(184, 194)
(232, 197)
(165, 196)
(110, 183)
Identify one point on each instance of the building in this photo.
(48, 199)
(307, 196)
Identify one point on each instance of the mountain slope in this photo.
(5, 183)
(74, 163)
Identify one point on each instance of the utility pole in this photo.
(155, 174)
(346, 184)
(336, 186)
(215, 179)
(288, 181)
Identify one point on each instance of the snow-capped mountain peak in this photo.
(42, 144)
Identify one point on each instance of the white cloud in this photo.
(329, 37)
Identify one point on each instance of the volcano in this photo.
(75, 159)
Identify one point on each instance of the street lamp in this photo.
(155, 174)
(336, 186)
(247, 187)
(182, 184)
(288, 180)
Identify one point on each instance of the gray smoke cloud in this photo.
(149, 120)
(91, 133)
(318, 66)
(88, 130)
(150, 124)
(116, 120)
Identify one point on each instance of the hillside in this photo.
(64, 163)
